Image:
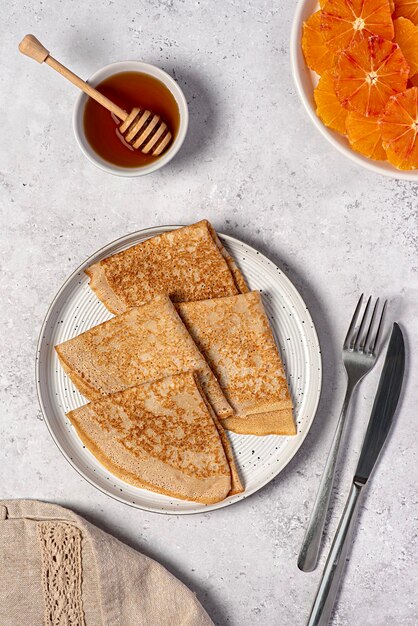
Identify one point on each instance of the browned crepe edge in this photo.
(212, 384)
(99, 285)
(237, 275)
(83, 387)
(236, 484)
(266, 407)
(271, 423)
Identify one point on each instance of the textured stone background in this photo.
(254, 165)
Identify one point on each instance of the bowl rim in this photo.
(115, 68)
(295, 60)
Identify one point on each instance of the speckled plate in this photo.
(76, 309)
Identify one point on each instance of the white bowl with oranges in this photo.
(355, 65)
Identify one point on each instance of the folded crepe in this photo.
(273, 423)
(161, 436)
(235, 337)
(186, 264)
(142, 345)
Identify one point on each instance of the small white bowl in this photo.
(144, 68)
(306, 81)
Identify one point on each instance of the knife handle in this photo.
(328, 587)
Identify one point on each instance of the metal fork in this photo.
(359, 356)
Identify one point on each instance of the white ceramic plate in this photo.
(76, 309)
(306, 81)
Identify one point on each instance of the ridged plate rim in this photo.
(311, 338)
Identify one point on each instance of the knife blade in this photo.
(384, 406)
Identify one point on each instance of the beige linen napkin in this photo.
(56, 569)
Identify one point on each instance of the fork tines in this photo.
(364, 337)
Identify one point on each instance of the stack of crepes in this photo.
(189, 353)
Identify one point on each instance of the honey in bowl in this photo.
(128, 90)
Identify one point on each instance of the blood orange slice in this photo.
(399, 127)
(365, 136)
(345, 21)
(328, 107)
(397, 162)
(317, 56)
(406, 36)
(368, 73)
(408, 9)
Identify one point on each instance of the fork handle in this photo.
(308, 555)
(328, 587)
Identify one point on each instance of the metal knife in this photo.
(379, 425)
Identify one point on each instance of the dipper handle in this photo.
(31, 47)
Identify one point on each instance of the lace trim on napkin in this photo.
(61, 573)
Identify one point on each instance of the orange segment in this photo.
(406, 36)
(317, 55)
(397, 161)
(328, 107)
(368, 73)
(408, 9)
(345, 21)
(364, 135)
(399, 127)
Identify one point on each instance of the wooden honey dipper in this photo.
(141, 128)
